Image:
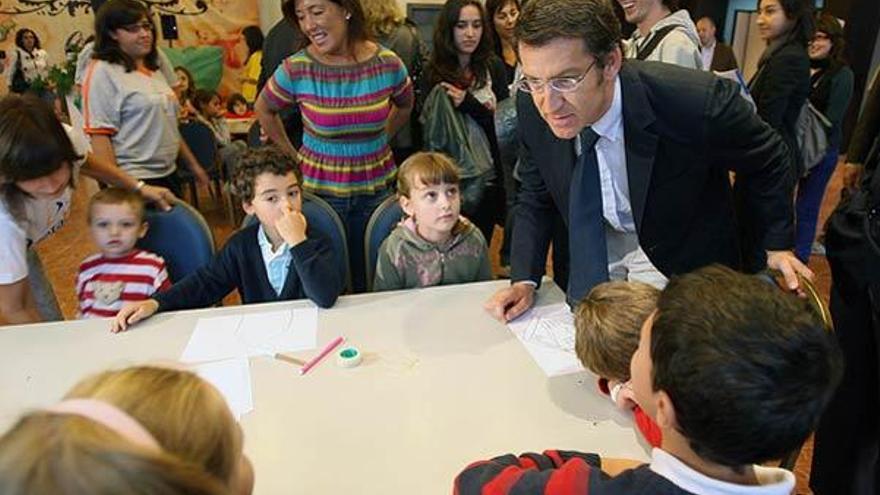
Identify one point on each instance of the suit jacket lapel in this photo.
(640, 138)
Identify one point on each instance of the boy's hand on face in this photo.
(292, 227)
(132, 313)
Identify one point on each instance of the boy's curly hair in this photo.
(256, 161)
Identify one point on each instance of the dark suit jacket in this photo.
(684, 130)
(722, 58)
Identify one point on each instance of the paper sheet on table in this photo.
(232, 377)
(547, 332)
(253, 334)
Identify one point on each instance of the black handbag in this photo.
(19, 83)
(852, 235)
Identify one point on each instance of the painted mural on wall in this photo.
(201, 24)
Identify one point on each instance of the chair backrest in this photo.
(181, 236)
(324, 219)
(202, 143)
(383, 220)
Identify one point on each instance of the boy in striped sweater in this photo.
(120, 272)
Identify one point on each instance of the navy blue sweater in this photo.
(239, 265)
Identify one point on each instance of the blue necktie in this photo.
(588, 256)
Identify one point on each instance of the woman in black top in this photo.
(464, 64)
(832, 83)
(504, 14)
(780, 88)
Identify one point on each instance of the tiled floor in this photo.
(62, 253)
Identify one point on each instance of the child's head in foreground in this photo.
(187, 416)
(608, 322)
(427, 187)
(737, 369)
(268, 182)
(89, 447)
(116, 220)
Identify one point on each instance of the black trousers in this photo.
(847, 443)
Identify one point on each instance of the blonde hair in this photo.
(118, 196)
(608, 322)
(68, 454)
(429, 167)
(187, 415)
(383, 16)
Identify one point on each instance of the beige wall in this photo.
(270, 11)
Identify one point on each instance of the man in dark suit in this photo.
(717, 56)
(635, 157)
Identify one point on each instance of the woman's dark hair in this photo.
(492, 7)
(114, 15)
(357, 24)
(19, 38)
(801, 12)
(830, 26)
(191, 87)
(444, 64)
(33, 144)
(253, 37)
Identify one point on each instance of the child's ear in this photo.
(248, 207)
(406, 205)
(665, 415)
(144, 228)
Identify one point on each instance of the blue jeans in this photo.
(355, 212)
(811, 189)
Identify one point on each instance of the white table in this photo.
(441, 385)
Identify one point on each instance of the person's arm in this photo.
(839, 96)
(678, 49)
(387, 276)
(11, 63)
(740, 141)
(400, 113)
(271, 123)
(16, 304)
(554, 471)
(485, 270)
(98, 169)
(315, 263)
(863, 137)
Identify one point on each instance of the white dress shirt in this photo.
(771, 480)
(277, 262)
(611, 154)
(707, 53)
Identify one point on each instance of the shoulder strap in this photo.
(645, 50)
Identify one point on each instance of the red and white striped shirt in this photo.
(104, 284)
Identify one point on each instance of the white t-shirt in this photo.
(42, 217)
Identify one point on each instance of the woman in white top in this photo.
(39, 162)
(27, 57)
(130, 111)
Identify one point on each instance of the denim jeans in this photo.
(355, 212)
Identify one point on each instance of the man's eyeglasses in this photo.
(137, 27)
(558, 84)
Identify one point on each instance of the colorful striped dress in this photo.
(345, 109)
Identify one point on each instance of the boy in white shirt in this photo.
(733, 371)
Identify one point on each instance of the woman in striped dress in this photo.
(353, 95)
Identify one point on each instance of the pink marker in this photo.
(317, 359)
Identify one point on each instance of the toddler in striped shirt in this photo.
(120, 272)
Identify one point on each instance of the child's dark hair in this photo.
(235, 99)
(33, 144)
(256, 161)
(114, 15)
(118, 196)
(749, 368)
(19, 38)
(202, 98)
(431, 168)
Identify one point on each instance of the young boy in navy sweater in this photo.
(734, 372)
(275, 259)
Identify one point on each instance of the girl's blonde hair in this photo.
(429, 168)
(383, 16)
(187, 415)
(67, 454)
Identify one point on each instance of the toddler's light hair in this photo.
(118, 196)
(608, 322)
